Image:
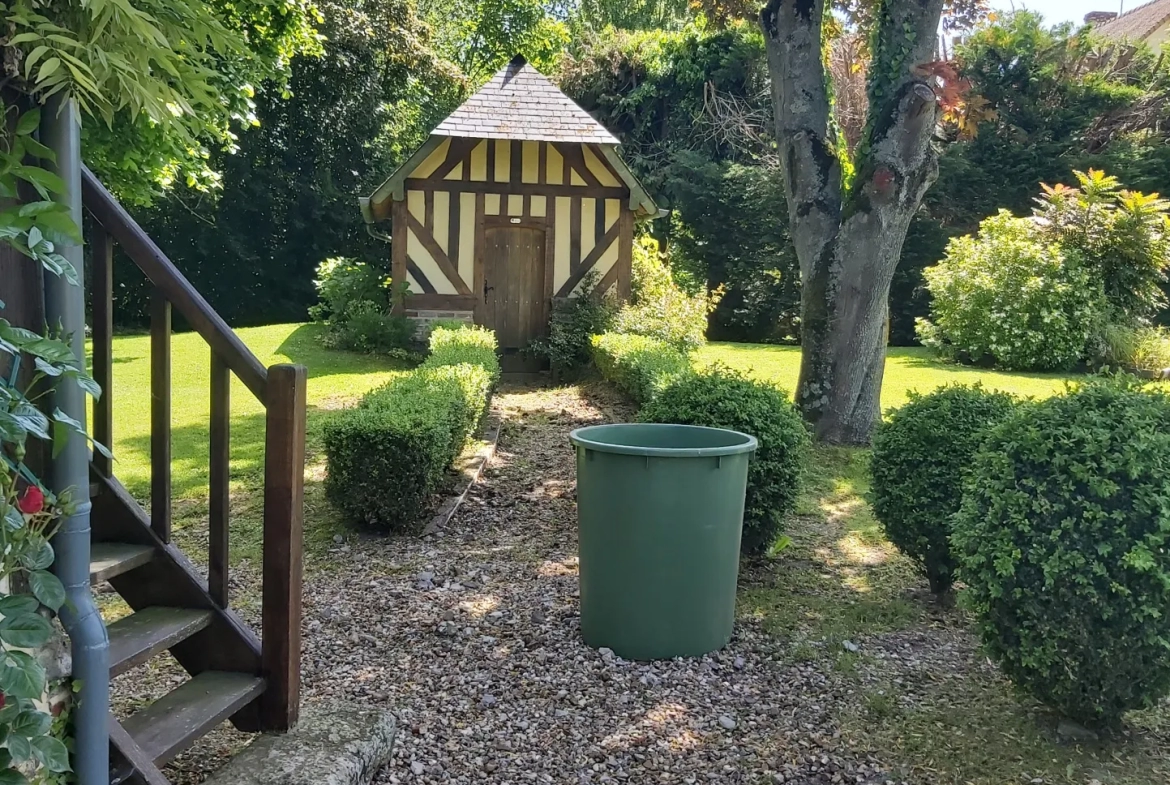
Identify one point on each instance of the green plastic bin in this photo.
(660, 514)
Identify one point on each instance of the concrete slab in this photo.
(334, 744)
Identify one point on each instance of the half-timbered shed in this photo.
(517, 199)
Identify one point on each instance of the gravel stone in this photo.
(503, 623)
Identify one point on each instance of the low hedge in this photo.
(386, 456)
(639, 365)
(452, 345)
(720, 397)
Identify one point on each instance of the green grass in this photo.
(839, 577)
(906, 369)
(335, 380)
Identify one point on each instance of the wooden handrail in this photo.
(173, 284)
(281, 389)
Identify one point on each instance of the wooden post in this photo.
(398, 225)
(625, 260)
(284, 485)
(219, 470)
(103, 344)
(160, 415)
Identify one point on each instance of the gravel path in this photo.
(471, 637)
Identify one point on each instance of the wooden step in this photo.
(143, 634)
(128, 763)
(177, 720)
(108, 559)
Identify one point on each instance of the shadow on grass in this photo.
(839, 578)
(305, 346)
(190, 483)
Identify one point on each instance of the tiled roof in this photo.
(520, 103)
(1137, 24)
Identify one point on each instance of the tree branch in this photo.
(806, 139)
(897, 161)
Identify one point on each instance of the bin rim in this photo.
(580, 438)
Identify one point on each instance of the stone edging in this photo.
(471, 474)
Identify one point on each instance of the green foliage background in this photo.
(343, 92)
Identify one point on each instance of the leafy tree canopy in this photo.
(288, 199)
(161, 79)
(481, 35)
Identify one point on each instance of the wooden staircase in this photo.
(252, 681)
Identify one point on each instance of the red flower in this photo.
(32, 502)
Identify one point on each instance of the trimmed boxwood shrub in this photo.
(919, 456)
(452, 345)
(1063, 540)
(722, 398)
(463, 388)
(385, 457)
(639, 365)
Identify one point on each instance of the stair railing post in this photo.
(219, 481)
(160, 414)
(284, 486)
(102, 248)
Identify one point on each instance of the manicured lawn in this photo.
(335, 379)
(906, 369)
(338, 378)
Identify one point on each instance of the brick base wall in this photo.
(423, 320)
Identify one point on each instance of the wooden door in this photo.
(513, 282)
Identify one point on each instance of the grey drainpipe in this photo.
(65, 305)
(376, 234)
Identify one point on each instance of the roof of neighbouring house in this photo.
(521, 103)
(1136, 24)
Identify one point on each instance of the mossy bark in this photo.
(848, 240)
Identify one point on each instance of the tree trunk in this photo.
(848, 237)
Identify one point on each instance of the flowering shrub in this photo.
(1012, 295)
(639, 365)
(355, 306)
(659, 307)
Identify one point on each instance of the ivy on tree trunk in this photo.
(848, 230)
